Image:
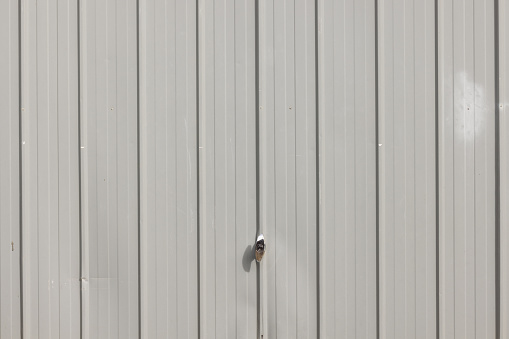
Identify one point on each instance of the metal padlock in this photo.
(260, 247)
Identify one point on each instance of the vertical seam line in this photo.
(377, 180)
(497, 173)
(437, 183)
(20, 169)
(197, 75)
(80, 248)
(138, 178)
(317, 169)
(257, 150)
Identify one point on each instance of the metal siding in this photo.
(347, 161)
(109, 169)
(168, 165)
(228, 283)
(467, 169)
(288, 179)
(503, 27)
(248, 124)
(10, 308)
(407, 194)
(51, 294)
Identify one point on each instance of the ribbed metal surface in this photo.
(407, 180)
(168, 165)
(503, 49)
(51, 288)
(159, 138)
(347, 165)
(227, 152)
(467, 169)
(109, 169)
(10, 301)
(288, 177)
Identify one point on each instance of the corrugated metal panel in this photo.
(503, 76)
(168, 197)
(228, 283)
(347, 161)
(51, 297)
(244, 117)
(467, 169)
(109, 170)
(10, 309)
(288, 178)
(407, 195)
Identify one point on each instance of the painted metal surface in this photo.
(288, 176)
(503, 125)
(466, 169)
(50, 172)
(227, 153)
(109, 169)
(407, 178)
(159, 138)
(347, 169)
(10, 246)
(168, 164)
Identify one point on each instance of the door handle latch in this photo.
(260, 247)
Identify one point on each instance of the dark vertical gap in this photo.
(20, 164)
(377, 180)
(437, 185)
(257, 143)
(198, 219)
(79, 168)
(138, 157)
(317, 141)
(257, 123)
(497, 175)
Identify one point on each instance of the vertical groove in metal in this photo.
(497, 169)
(263, 38)
(407, 180)
(198, 205)
(78, 150)
(20, 163)
(348, 168)
(437, 179)
(377, 160)
(138, 168)
(467, 169)
(259, 287)
(317, 168)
